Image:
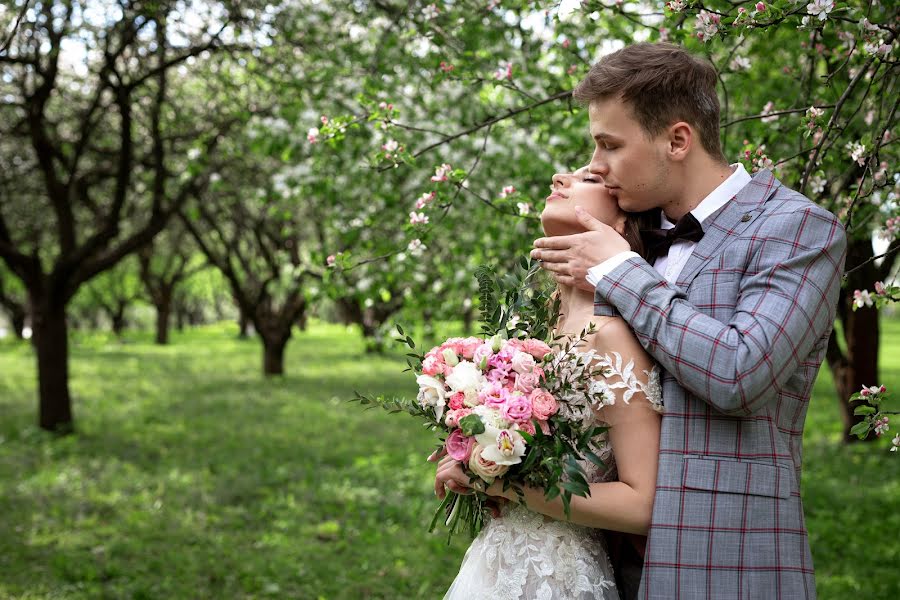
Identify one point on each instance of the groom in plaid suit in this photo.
(736, 302)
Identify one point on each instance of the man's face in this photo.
(633, 166)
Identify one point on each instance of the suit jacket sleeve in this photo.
(787, 297)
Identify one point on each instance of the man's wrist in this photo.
(598, 272)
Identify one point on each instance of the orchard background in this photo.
(251, 173)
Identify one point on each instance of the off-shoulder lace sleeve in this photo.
(628, 381)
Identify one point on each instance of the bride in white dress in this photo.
(532, 551)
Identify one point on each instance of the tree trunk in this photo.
(163, 313)
(243, 325)
(18, 324)
(273, 356)
(468, 317)
(52, 346)
(861, 335)
(118, 320)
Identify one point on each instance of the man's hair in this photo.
(663, 84)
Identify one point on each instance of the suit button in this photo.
(746, 218)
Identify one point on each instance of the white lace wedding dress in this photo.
(525, 555)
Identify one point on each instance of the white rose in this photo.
(432, 393)
(464, 377)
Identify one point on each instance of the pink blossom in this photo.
(524, 208)
(385, 106)
(676, 5)
(862, 298)
(418, 218)
(760, 7)
(820, 8)
(446, 67)
(424, 200)
(543, 404)
(507, 191)
(459, 446)
(504, 72)
(566, 43)
(390, 146)
(441, 172)
(324, 120)
(416, 247)
(879, 289)
(330, 260)
(707, 25)
(517, 407)
(492, 394)
(312, 136)
(663, 36)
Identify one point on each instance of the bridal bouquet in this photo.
(508, 405)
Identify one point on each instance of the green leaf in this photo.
(471, 425)
(860, 429)
(864, 410)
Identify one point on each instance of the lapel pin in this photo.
(746, 218)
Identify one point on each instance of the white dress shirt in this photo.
(671, 264)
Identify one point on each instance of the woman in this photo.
(533, 551)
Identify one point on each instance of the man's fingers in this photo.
(560, 268)
(558, 242)
(550, 256)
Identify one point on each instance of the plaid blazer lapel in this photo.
(728, 223)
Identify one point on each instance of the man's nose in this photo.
(598, 165)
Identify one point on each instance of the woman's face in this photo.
(583, 189)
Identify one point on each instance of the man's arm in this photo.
(782, 310)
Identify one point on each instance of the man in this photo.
(736, 304)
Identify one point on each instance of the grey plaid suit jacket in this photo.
(741, 337)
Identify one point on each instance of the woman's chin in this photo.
(558, 222)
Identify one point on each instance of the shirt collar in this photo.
(716, 199)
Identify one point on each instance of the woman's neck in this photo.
(576, 308)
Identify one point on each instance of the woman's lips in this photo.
(554, 196)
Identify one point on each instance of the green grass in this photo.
(192, 476)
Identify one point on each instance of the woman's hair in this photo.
(635, 223)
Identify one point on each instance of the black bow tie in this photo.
(659, 241)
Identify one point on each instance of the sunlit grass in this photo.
(192, 476)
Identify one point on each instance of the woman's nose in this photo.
(559, 180)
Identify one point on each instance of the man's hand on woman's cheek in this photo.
(568, 257)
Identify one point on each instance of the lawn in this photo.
(191, 476)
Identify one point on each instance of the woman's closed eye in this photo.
(590, 179)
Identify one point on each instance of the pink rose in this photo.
(545, 427)
(456, 400)
(536, 348)
(453, 416)
(468, 347)
(525, 382)
(459, 447)
(522, 362)
(517, 408)
(526, 426)
(543, 404)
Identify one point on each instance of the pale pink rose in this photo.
(517, 408)
(456, 400)
(545, 427)
(459, 446)
(482, 352)
(526, 382)
(523, 362)
(539, 372)
(536, 348)
(543, 404)
(488, 470)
